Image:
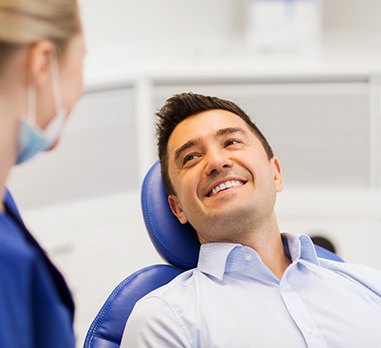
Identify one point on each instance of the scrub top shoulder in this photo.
(36, 305)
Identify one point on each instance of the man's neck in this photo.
(265, 238)
(273, 255)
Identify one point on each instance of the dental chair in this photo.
(176, 243)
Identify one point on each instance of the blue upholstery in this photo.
(107, 328)
(326, 254)
(176, 243)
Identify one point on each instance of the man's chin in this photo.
(232, 211)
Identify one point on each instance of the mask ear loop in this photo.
(55, 126)
(56, 88)
(32, 104)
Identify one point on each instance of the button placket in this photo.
(301, 316)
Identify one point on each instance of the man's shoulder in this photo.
(364, 275)
(343, 266)
(162, 310)
(180, 290)
(340, 266)
(177, 284)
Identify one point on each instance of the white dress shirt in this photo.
(233, 300)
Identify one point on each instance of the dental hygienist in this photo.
(41, 53)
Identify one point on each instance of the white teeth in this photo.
(225, 185)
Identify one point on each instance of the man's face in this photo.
(221, 175)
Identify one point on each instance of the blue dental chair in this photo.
(176, 243)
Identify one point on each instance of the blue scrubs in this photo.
(36, 307)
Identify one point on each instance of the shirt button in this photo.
(248, 257)
(285, 287)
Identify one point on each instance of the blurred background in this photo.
(308, 72)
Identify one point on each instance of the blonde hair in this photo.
(24, 22)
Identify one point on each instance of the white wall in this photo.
(183, 25)
(178, 24)
(353, 15)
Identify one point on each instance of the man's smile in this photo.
(224, 184)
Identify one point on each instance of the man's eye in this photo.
(232, 142)
(189, 157)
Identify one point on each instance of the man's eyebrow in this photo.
(184, 147)
(230, 130)
(194, 142)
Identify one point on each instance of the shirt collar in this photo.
(300, 248)
(217, 258)
(213, 256)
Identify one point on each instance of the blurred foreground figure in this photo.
(41, 53)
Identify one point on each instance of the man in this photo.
(253, 287)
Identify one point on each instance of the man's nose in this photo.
(217, 161)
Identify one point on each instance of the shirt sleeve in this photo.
(154, 323)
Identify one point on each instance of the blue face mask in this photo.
(32, 139)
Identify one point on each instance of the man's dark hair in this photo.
(181, 106)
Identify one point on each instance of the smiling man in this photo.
(221, 174)
(254, 286)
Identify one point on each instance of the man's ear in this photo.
(175, 206)
(277, 170)
(39, 59)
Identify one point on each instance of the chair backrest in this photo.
(107, 328)
(176, 243)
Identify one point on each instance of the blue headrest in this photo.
(326, 254)
(176, 243)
